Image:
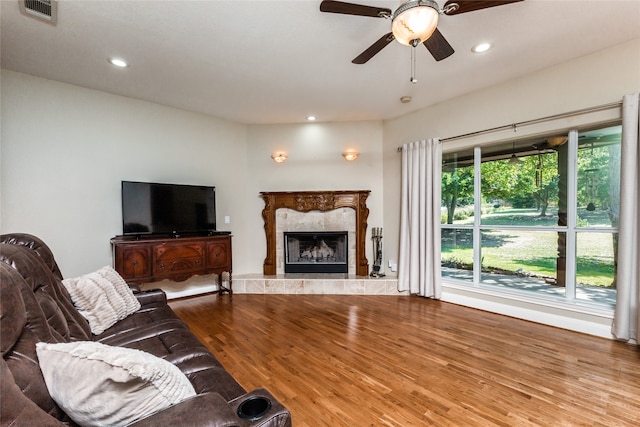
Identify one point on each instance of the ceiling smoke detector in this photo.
(44, 10)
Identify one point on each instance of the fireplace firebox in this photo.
(316, 252)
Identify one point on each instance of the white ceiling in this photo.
(279, 61)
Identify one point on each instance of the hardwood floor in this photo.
(407, 361)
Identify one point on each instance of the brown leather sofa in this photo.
(36, 307)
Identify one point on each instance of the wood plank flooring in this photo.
(407, 361)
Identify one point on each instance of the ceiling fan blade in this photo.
(438, 46)
(372, 50)
(354, 9)
(464, 6)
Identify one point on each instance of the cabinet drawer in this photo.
(134, 262)
(168, 251)
(218, 254)
(170, 266)
(172, 258)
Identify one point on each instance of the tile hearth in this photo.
(317, 283)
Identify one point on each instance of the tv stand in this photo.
(150, 259)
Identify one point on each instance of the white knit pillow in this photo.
(102, 297)
(100, 385)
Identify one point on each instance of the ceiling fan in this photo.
(412, 23)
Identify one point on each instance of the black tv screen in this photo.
(154, 208)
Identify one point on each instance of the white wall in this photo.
(65, 150)
(597, 79)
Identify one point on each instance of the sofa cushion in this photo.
(21, 312)
(12, 310)
(54, 300)
(98, 384)
(38, 247)
(16, 409)
(102, 297)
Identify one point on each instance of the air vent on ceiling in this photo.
(45, 10)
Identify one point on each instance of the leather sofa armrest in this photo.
(151, 296)
(276, 416)
(208, 409)
(211, 410)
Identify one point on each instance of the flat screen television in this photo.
(167, 209)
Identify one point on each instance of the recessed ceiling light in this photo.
(118, 62)
(481, 47)
(311, 118)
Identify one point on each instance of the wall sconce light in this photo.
(279, 157)
(350, 155)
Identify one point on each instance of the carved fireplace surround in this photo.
(305, 201)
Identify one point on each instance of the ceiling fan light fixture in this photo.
(414, 21)
(514, 160)
(556, 141)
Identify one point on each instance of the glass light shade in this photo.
(350, 155)
(415, 20)
(279, 157)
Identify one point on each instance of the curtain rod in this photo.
(514, 126)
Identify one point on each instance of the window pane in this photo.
(457, 253)
(599, 177)
(520, 184)
(457, 187)
(523, 259)
(596, 269)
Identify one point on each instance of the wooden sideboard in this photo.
(149, 259)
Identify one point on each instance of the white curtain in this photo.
(626, 321)
(419, 258)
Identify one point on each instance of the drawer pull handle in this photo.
(135, 263)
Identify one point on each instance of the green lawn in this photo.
(532, 252)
